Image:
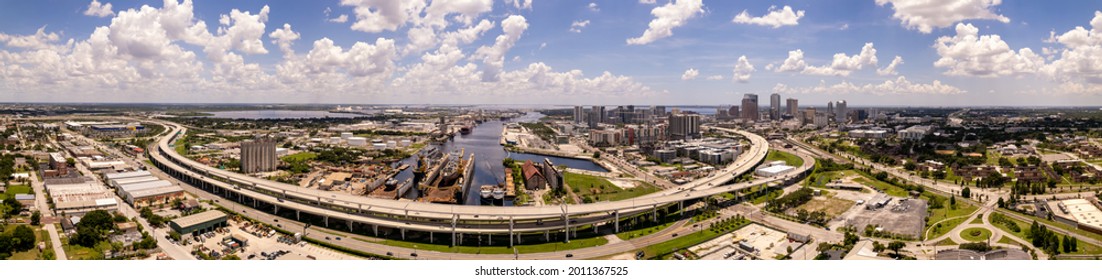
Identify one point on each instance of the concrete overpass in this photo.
(456, 220)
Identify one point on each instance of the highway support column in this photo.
(455, 218)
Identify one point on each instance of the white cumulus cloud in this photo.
(742, 70)
(577, 25)
(970, 54)
(339, 19)
(899, 86)
(666, 18)
(841, 64)
(775, 18)
(98, 9)
(927, 15)
(890, 69)
(493, 57)
(690, 74)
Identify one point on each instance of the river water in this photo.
(484, 142)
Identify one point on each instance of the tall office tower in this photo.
(630, 115)
(659, 111)
(809, 116)
(733, 112)
(258, 155)
(684, 126)
(830, 109)
(618, 116)
(642, 115)
(840, 113)
(721, 114)
(775, 106)
(750, 107)
(579, 114)
(596, 116)
(793, 107)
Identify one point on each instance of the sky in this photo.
(565, 52)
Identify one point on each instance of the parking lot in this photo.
(263, 246)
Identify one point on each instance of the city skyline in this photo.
(872, 53)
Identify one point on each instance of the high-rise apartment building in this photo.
(258, 155)
(684, 126)
(840, 112)
(596, 116)
(793, 107)
(579, 114)
(750, 107)
(775, 106)
(733, 112)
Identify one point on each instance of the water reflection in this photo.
(484, 142)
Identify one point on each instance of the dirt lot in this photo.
(832, 206)
(906, 217)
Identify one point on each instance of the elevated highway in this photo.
(352, 211)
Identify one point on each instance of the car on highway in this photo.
(569, 255)
(390, 254)
(413, 255)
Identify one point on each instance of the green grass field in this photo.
(599, 189)
(33, 254)
(888, 189)
(636, 233)
(788, 158)
(299, 157)
(976, 234)
(14, 190)
(685, 241)
(976, 221)
(1084, 247)
(952, 215)
(1006, 240)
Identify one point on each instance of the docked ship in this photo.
(449, 181)
(466, 129)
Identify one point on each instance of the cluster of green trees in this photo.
(153, 219)
(895, 246)
(242, 124)
(827, 165)
(817, 217)
(387, 132)
(976, 246)
(847, 244)
(728, 224)
(10, 207)
(1028, 188)
(1049, 241)
(21, 238)
(997, 218)
(339, 155)
(93, 228)
(794, 199)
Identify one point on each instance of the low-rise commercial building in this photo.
(774, 170)
(199, 223)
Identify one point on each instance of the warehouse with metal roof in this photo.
(201, 222)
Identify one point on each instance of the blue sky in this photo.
(953, 52)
